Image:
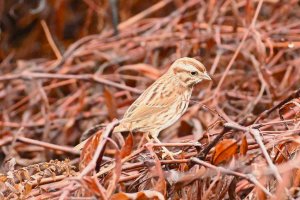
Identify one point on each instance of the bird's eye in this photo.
(194, 73)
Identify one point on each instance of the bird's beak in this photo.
(205, 76)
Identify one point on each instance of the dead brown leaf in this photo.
(143, 195)
(291, 109)
(27, 188)
(296, 177)
(128, 146)
(120, 196)
(89, 149)
(224, 151)
(244, 146)
(110, 103)
(90, 182)
(116, 174)
(249, 11)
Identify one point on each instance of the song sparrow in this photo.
(165, 101)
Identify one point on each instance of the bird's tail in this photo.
(120, 128)
(80, 146)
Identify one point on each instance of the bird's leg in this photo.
(164, 148)
(147, 138)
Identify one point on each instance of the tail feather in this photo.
(119, 129)
(80, 146)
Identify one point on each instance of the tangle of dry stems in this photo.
(244, 142)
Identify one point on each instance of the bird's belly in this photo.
(178, 111)
(157, 123)
(160, 121)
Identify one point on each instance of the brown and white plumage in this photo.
(166, 100)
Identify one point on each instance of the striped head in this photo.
(189, 71)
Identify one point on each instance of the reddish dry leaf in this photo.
(296, 177)
(211, 43)
(89, 149)
(184, 129)
(116, 174)
(128, 146)
(120, 196)
(110, 103)
(3, 178)
(244, 146)
(291, 109)
(249, 11)
(143, 195)
(183, 167)
(224, 151)
(146, 70)
(27, 188)
(161, 186)
(91, 184)
(283, 151)
(260, 194)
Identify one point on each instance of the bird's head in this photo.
(189, 71)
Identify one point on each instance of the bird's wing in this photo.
(156, 99)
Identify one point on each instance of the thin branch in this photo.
(51, 41)
(48, 145)
(238, 49)
(86, 77)
(248, 177)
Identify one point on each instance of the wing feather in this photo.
(155, 99)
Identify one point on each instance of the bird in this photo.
(163, 102)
